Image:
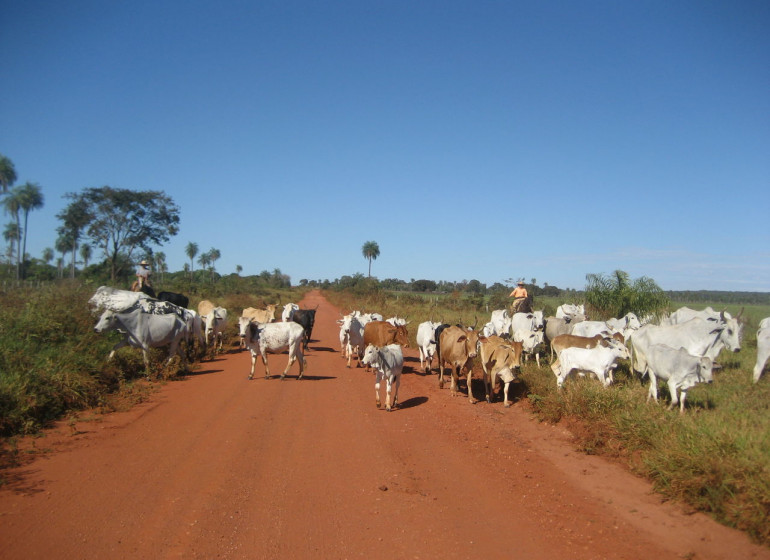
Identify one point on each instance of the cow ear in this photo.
(463, 338)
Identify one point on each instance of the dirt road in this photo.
(216, 466)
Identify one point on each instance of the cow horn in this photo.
(739, 314)
(475, 322)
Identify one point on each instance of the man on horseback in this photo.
(142, 277)
(520, 300)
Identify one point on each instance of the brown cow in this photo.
(573, 341)
(382, 333)
(499, 357)
(457, 347)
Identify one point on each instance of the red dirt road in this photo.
(216, 466)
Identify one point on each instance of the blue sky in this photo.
(470, 140)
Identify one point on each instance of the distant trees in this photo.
(371, 251)
(120, 221)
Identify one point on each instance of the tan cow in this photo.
(499, 357)
(250, 314)
(382, 333)
(457, 347)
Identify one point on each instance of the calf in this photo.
(275, 338)
(457, 347)
(426, 342)
(600, 361)
(388, 361)
(680, 369)
(499, 358)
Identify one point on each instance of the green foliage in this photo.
(615, 295)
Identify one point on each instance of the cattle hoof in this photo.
(388, 408)
(283, 377)
(507, 405)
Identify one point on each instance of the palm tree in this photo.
(214, 254)
(64, 244)
(12, 206)
(7, 173)
(85, 254)
(204, 260)
(238, 269)
(11, 234)
(191, 251)
(371, 251)
(48, 255)
(31, 199)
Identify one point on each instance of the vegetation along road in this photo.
(216, 466)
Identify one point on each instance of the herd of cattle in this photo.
(681, 350)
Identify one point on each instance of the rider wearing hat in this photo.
(143, 274)
(519, 295)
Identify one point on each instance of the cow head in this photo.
(107, 322)
(705, 370)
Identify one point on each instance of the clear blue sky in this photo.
(470, 140)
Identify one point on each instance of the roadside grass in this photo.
(715, 457)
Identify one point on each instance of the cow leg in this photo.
(537, 359)
(440, 375)
(470, 391)
(455, 380)
(253, 364)
(681, 401)
(506, 402)
(653, 391)
(377, 388)
(388, 388)
(264, 362)
(395, 391)
(487, 384)
(673, 388)
(422, 359)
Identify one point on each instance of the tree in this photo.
(48, 255)
(238, 269)
(75, 218)
(122, 221)
(615, 294)
(214, 255)
(7, 173)
(160, 264)
(85, 254)
(371, 251)
(11, 235)
(30, 199)
(12, 206)
(204, 260)
(191, 251)
(64, 245)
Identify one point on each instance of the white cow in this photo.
(500, 323)
(144, 329)
(214, 323)
(625, 325)
(679, 369)
(532, 321)
(700, 337)
(353, 327)
(763, 348)
(684, 314)
(388, 362)
(599, 360)
(397, 321)
(275, 338)
(591, 328)
(426, 342)
(288, 311)
(530, 341)
(569, 310)
(114, 299)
